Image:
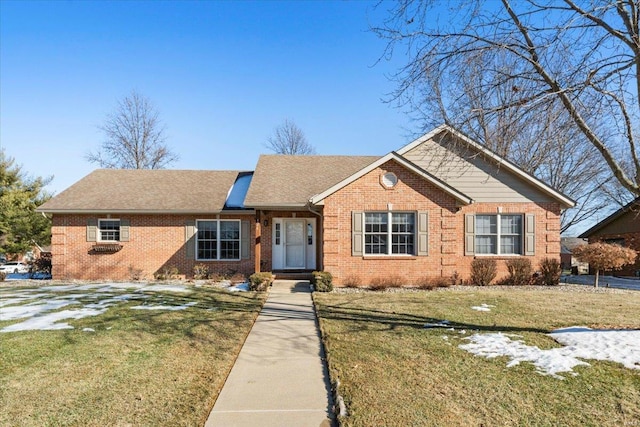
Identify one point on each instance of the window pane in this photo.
(229, 230)
(486, 224)
(229, 240)
(207, 249)
(510, 245)
(486, 244)
(207, 239)
(402, 233)
(109, 230)
(375, 232)
(207, 230)
(402, 222)
(402, 244)
(510, 224)
(375, 243)
(230, 249)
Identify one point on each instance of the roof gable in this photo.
(404, 162)
(145, 191)
(489, 166)
(630, 209)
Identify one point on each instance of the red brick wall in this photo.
(446, 228)
(156, 242)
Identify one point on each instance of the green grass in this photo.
(393, 371)
(139, 367)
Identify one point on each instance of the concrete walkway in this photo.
(280, 378)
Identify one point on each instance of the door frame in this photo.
(278, 243)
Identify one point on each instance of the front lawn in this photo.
(121, 355)
(395, 371)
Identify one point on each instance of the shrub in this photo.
(456, 280)
(43, 263)
(550, 271)
(200, 271)
(322, 281)
(520, 272)
(260, 282)
(3, 276)
(135, 274)
(351, 281)
(167, 273)
(426, 283)
(382, 283)
(236, 278)
(483, 271)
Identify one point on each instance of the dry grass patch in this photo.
(139, 367)
(393, 371)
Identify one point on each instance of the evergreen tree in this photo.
(20, 225)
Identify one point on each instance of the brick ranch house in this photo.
(621, 227)
(426, 210)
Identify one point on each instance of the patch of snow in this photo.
(49, 321)
(12, 301)
(30, 310)
(441, 324)
(621, 346)
(482, 307)
(88, 330)
(165, 288)
(94, 299)
(240, 287)
(584, 343)
(164, 307)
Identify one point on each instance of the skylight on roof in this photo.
(238, 192)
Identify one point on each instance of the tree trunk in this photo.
(595, 285)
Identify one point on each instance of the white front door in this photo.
(294, 236)
(293, 244)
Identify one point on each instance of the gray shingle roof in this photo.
(291, 180)
(117, 190)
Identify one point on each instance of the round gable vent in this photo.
(389, 180)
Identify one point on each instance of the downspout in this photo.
(320, 242)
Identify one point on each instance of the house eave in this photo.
(460, 197)
(146, 211)
(280, 207)
(611, 218)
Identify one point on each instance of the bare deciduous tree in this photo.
(525, 77)
(288, 138)
(134, 137)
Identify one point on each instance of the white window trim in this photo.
(389, 234)
(99, 230)
(218, 240)
(498, 216)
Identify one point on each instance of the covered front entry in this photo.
(294, 244)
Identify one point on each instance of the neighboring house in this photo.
(621, 227)
(426, 210)
(568, 261)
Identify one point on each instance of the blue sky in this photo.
(222, 74)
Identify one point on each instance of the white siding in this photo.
(470, 173)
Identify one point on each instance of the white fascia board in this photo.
(314, 200)
(493, 156)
